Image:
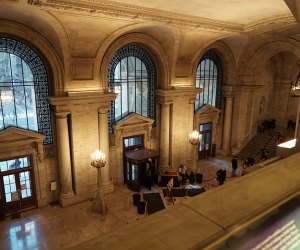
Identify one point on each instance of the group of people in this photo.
(249, 162)
(264, 153)
(221, 173)
(186, 175)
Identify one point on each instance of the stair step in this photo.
(254, 146)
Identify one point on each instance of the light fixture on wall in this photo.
(98, 162)
(296, 83)
(194, 137)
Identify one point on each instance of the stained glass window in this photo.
(132, 76)
(23, 89)
(209, 78)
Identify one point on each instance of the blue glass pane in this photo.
(209, 78)
(133, 141)
(133, 69)
(205, 126)
(17, 163)
(23, 89)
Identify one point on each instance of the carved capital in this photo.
(103, 110)
(61, 115)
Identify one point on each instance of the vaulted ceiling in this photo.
(230, 15)
(82, 28)
(242, 12)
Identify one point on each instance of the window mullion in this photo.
(120, 90)
(141, 84)
(128, 86)
(25, 98)
(135, 83)
(13, 89)
(209, 82)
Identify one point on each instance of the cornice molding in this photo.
(138, 13)
(269, 23)
(120, 10)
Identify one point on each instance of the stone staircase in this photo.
(254, 146)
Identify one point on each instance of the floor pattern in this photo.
(53, 227)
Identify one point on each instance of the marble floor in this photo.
(54, 227)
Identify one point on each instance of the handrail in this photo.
(275, 133)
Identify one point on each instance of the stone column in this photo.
(64, 158)
(297, 127)
(164, 152)
(227, 125)
(106, 183)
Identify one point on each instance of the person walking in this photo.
(234, 166)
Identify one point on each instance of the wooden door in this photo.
(17, 184)
(204, 150)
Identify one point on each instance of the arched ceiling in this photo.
(241, 16)
(238, 11)
(79, 29)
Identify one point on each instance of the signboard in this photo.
(53, 186)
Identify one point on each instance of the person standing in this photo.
(234, 166)
(221, 176)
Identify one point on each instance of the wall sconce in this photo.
(194, 137)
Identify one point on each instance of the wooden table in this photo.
(166, 176)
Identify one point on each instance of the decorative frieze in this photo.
(121, 10)
(139, 13)
(269, 23)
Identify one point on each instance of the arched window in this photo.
(209, 78)
(132, 76)
(23, 89)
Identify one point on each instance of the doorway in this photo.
(204, 150)
(131, 143)
(142, 168)
(17, 184)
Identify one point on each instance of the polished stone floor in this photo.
(53, 227)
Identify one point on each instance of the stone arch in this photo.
(147, 42)
(227, 60)
(43, 49)
(252, 63)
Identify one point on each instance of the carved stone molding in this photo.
(16, 139)
(134, 12)
(121, 10)
(269, 23)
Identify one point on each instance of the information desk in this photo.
(166, 176)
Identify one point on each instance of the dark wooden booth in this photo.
(142, 168)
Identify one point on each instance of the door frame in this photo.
(130, 148)
(207, 146)
(19, 205)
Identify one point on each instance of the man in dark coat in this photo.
(221, 176)
(234, 166)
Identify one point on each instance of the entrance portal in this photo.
(17, 184)
(141, 165)
(205, 140)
